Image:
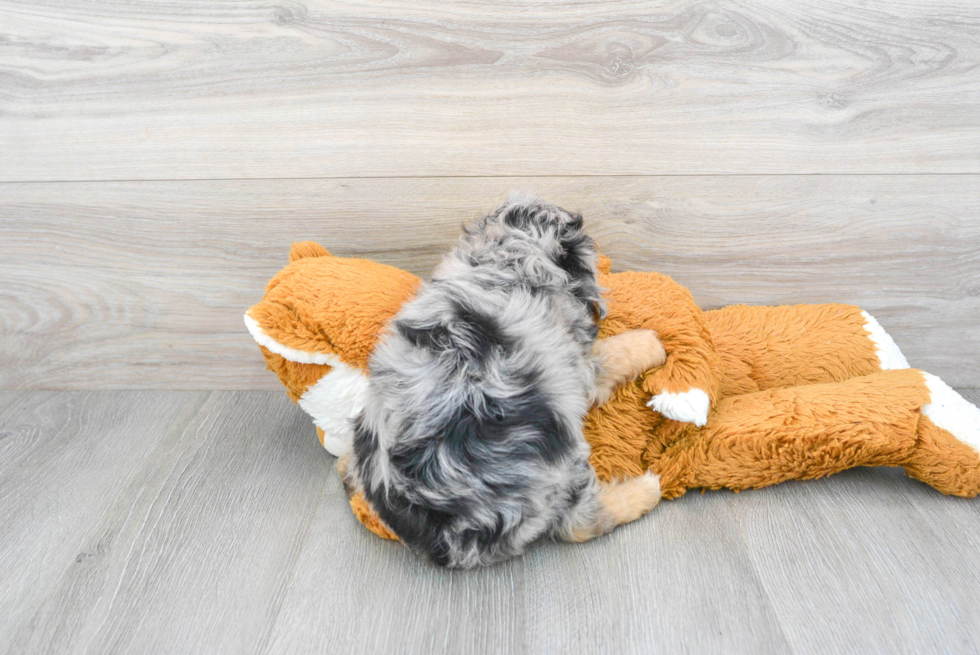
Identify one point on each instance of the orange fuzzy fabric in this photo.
(302, 310)
(795, 392)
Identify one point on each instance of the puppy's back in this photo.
(470, 445)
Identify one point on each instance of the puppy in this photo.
(470, 445)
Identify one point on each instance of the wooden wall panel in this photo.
(143, 285)
(194, 89)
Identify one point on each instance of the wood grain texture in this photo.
(190, 89)
(659, 585)
(872, 562)
(213, 522)
(195, 551)
(143, 285)
(65, 459)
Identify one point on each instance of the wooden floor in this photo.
(213, 522)
(159, 494)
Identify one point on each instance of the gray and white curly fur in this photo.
(470, 445)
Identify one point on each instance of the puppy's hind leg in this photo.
(624, 356)
(619, 502)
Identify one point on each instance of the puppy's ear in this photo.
(578, 257)
(423, 529)
(432, 337)
(420, 528)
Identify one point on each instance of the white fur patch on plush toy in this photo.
(889, 354)
(952, 412)
(333, 402)
(336, 398)
(685, 406)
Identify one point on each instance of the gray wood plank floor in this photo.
(212, 522)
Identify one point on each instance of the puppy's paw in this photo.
(620, 501)
(685, 406)
(623, 357)
(648, 350)
(628, 500)
(346, 474)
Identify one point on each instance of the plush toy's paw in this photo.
(952, 412)
(947, 449)
(889, 355)
(685, 406)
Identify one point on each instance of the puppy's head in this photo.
(549, 243)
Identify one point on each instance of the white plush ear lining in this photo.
(334, 401)
(293, 355)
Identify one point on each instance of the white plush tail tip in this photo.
(889, 354)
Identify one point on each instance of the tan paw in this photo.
(628, 500)
(649, 350)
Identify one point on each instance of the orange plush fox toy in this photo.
(748, 397)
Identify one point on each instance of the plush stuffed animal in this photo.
(748, 397)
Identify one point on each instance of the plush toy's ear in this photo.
(604, 265)
(303, 249)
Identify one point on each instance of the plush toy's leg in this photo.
(890, 356)
(884, 419)
(947, 455)
(770, 347)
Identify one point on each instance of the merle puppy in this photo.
(470, 445)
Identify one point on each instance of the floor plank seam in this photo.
(758, 577)
(129, 565)
(266, 645)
